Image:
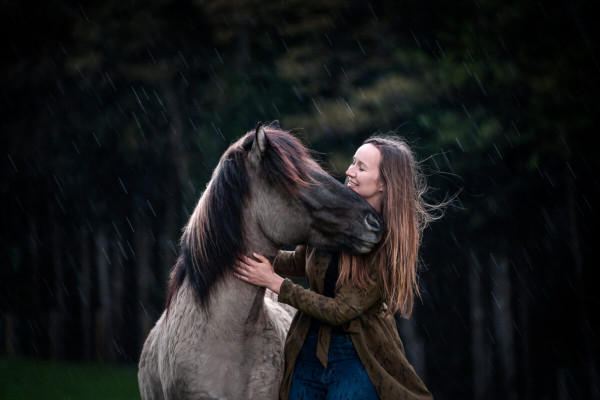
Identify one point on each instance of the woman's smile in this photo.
(363, 177)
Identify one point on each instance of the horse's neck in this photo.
(232, 300)
(255, 240)
(236, 301)
(242, 303)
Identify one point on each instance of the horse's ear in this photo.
(275, 124)
(260, 143)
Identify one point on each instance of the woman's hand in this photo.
(259, 273)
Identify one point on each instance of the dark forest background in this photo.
(113, 115)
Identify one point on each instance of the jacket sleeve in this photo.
(291, 263)
(348, 303)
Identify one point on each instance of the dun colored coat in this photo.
(220, 338)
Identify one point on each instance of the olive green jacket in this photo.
(360, 313)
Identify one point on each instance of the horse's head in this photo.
(266, 186)
(294, 201)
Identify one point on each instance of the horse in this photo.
(219, 337)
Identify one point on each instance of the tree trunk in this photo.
(103, 321)
(413, 344)
(144, 276)
(586, 341)
(117, 289)
(57, 315)
(176, 149)
(36, 334)
(525, 331)
(479, 349)
(178, 187)
(168, 240)
(503, 323)
(85, 292)
(9, 335)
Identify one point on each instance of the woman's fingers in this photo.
(248, 261)
(244, 269)
(241, 273)
(245, 262)
(260, 257)
(249, 269)
(240, 276)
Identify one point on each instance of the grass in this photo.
(35, 379)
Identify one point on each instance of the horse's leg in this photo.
(265, 378)
(148, 376)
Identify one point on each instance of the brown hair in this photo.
(405, 214)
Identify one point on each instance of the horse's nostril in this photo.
(372, 223)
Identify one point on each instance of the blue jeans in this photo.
(344, 378)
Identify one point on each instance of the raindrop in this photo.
(139, 126)
(84, 14)
(514, 126)
(184, 80)
(218, 55)
(158, 98)
(480, 85)
(131, 226)
(145, 94)
(185, 62)
(56, 180)
(151, 56)
(316, 106)
(497, 151)
(373, 12)
(130, 248)
(415, 37)
(329, 40)
(123, 185)
(459, 145)
(12, 162)
(349, 109)
(193, 126)
(106, 255)
(96, 137)
(345, 74)
(571, 169)
(116, 230)
(361, 48)
(440, 47)
(466, 112)
(139, 101)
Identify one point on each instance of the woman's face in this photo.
(363, 175)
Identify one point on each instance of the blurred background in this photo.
(114, 115)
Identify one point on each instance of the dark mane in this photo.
(212, 239)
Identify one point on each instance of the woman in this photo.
(343, 342)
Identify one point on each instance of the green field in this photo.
(35, 379)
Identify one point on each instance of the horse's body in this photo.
(221, 338)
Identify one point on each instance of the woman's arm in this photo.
(348, 303)
(291, 263)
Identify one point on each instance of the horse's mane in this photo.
(213, 237)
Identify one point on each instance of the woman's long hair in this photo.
(405, 214)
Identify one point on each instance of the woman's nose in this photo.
(349, 171)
